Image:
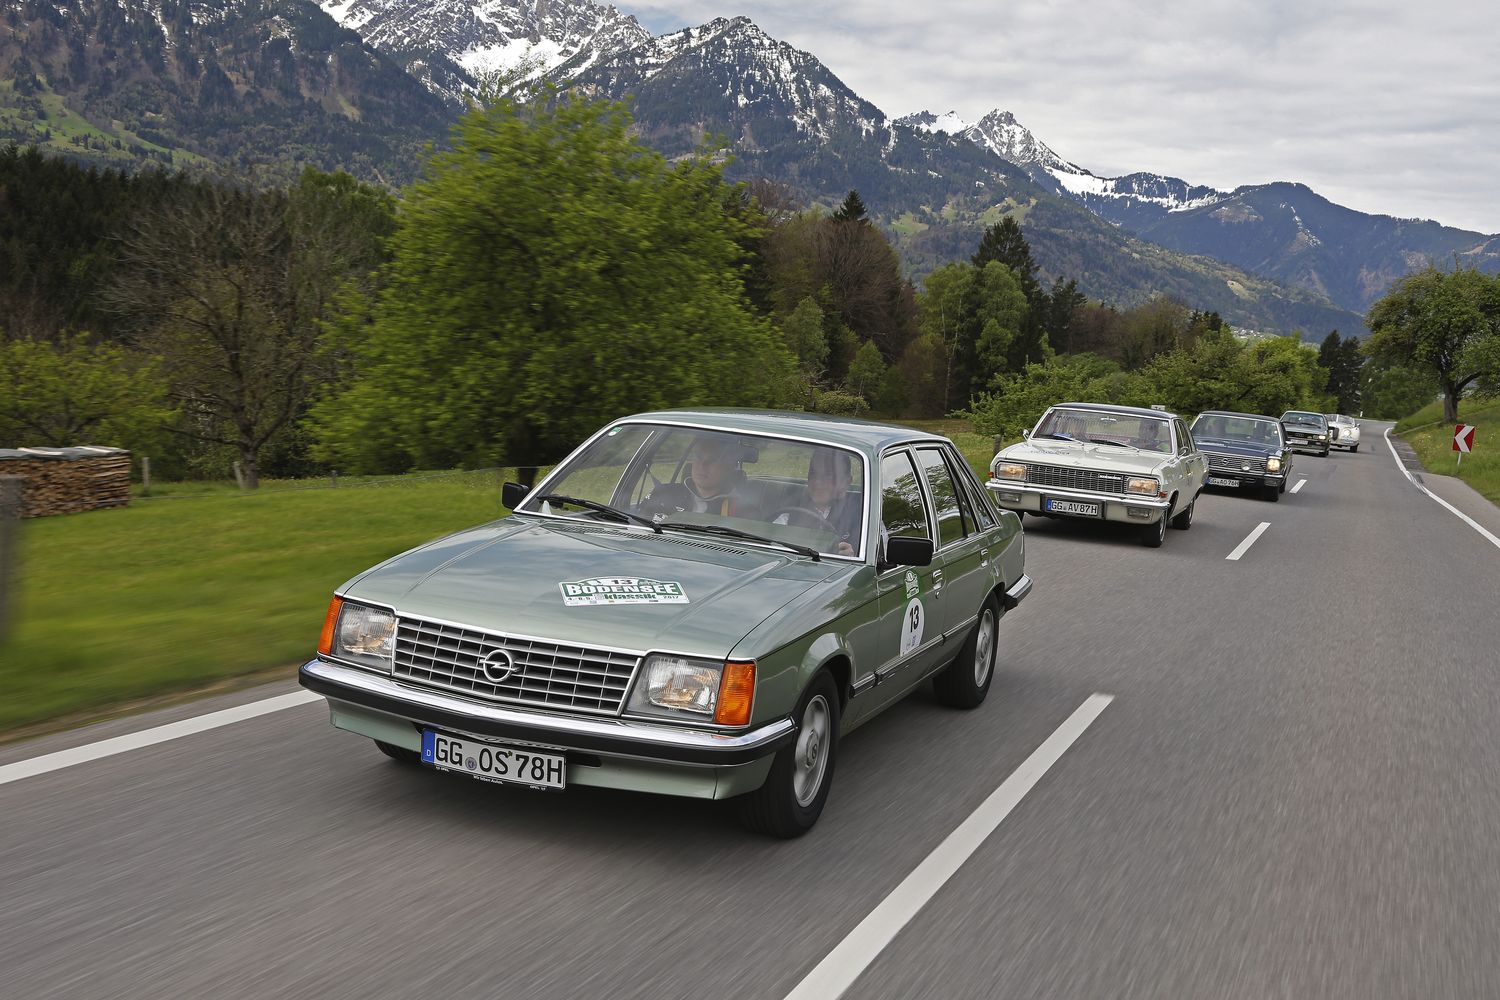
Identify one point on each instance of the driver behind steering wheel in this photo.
(826, 502)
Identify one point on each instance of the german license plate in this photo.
(1221, 481)
(1073, 507)
(1299, 440)
(511, 765)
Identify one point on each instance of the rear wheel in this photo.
(966, 681)
(394, 752)
(791, 800)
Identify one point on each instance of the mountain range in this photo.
(364, 84)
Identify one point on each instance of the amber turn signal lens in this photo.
(736, 693)
(325, 641)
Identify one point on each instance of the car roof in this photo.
(1236, 413)
(865, 435)
(1137, 411)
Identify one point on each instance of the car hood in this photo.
(1073, 455)
(1238, 449)
(508, 577)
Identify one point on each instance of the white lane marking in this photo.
(843, 965)
(1244, 546)
(1300, 483)
(1460, 514)
(150, 737)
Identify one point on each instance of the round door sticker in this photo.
(911, 625)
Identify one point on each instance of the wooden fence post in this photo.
(10, 521)
(145, 475)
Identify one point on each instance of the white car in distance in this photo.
(1348, 436)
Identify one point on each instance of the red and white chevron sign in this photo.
(1463, 438)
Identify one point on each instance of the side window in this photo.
(901, 509)
(1184, 439)
(950, 518)
(977, 508)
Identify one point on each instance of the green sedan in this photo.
(695, 602)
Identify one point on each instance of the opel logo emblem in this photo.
(497, 666)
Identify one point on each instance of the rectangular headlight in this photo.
(1273, 464)
(673, 686)
(1150, 487)
(1008, 470)
(365, 635)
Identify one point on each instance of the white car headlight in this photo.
(673, 685)
(1149, 487)
(365, 635)
(1273, 464)
(1008, 470)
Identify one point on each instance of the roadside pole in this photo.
(10, 521)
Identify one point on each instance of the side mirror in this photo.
(905, 550)
(1026, 435)
(511, 494)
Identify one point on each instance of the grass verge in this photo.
(1432, 437)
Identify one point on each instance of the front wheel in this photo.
(1353, 449)
(791, 800)
(966, 681)
(1272, 492)
(1184, 521)
(1152, 535)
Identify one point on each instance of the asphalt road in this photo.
(1295, 793)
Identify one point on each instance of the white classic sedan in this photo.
(1101, 462)
(1348, 438)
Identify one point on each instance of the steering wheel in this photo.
(819, 521)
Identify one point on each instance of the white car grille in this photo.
(1091, 480)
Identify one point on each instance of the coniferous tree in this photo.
(852, 210)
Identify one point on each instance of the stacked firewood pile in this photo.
(67, 480)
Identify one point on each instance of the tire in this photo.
(401, 754)
(966, 681)
(1353, 449)
(1184, 521)
(792, 798)
(1323, 453)
(1152, 535)
(1272, 492)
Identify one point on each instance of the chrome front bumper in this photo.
(641, 741)
(1028, 497)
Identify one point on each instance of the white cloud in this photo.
(1379, 105)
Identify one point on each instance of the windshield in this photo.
(785, 491)
(1098, 427)
(1247, 430)
(1301, 417)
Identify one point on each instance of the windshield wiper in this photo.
(1117, 444)
(719, 529)
(602, 508)
(1060, 437)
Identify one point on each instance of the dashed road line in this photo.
(1244, 546)
(151, 737)
(843, 965)
(1300, 483)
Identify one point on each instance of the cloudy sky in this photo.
(1382, 106)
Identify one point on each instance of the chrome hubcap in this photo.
(984, 648)
(811, 760)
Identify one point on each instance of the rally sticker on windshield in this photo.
(621, 590)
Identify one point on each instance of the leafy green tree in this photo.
(1005, 243)
(1221, 373)
(550, 274)
(1390, 393)
(866, 372)
(56, 395)
(1443, 323)
(1018, 399)
(806, 339)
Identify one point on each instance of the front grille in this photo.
(545, 675)
(1076, 479)
(1234, 464)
